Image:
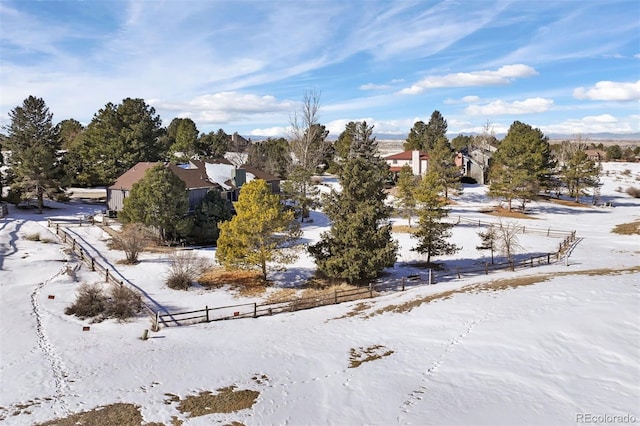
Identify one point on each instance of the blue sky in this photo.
(569, 67)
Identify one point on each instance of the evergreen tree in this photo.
(345, 139)
(259, 233)
(580, 173)
(461, 142)
(159, 200)
(271, 155)
(213, 144)
(522, 165)
(489, 240)
(442, 163)
(69, 131)
(406, 192)
(359, 245)
(432, 231)
(212, 210)
(417, 138)
(436, 129)
(185, 138)
(34, 144)
(118, 137)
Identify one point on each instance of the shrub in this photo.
(32, 237)
(124, 303)
(184, 268)
(633, 191)
(133, 238)
(90, 302)
(626, 172)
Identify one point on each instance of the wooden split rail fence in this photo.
(255, 310)
(95, 265)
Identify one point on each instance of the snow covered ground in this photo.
(561, 351)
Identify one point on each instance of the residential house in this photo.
(418, 160)
(199, 176)
(596, 155)
(474, 163)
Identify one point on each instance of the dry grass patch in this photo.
(403, 229)
(244, 283)
(504, 212)
(312, 297)
(632, 228)
(120, 414)
(567, 203)
(358, 309)
(227, 400)
(359, 356)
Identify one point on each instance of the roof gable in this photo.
(406, 155)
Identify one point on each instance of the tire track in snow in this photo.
(57, 366)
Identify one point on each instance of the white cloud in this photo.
(610, 91)
(527, 106)
(503, 75)
(272, 132)
(463, 100)
(372, 86)
(604, 123)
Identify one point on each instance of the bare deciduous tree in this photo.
(308, 146)
(507, 240)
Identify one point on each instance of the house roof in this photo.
(193, 177)
(133, 175)
(215, 173)
(406, 155)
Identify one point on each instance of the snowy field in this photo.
(564, 350)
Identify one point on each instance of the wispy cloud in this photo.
(610, 91)
(499, 107)
(503, 75)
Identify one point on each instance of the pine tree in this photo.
(432, 231)
(359, 245)
(259, 233)
(489, 240)
(406, 192)
(34, 144)
(159, 200)
(117, 138)
(580, 173)
(442, 163)
(417, 138)
(436, 129)
(522, 165)
(186, 136)
(209, 213)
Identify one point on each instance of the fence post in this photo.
(157, 321)
(73, 244)
(255, 310)
(48, 223)
(93, 264)
(458, 272)
(402, 283)
(335, 296)
(548, 258)
(486, 268)
(370, 290)
(478, 223)
(430, 281)
(57, 229)
(206, 309)
(523, 230)
(548, 230)
(532, 262)
(513, 265)
(106, 275)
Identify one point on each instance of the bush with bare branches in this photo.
(133, 238)
(507, 240)
(124, 303)
(184, 268)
